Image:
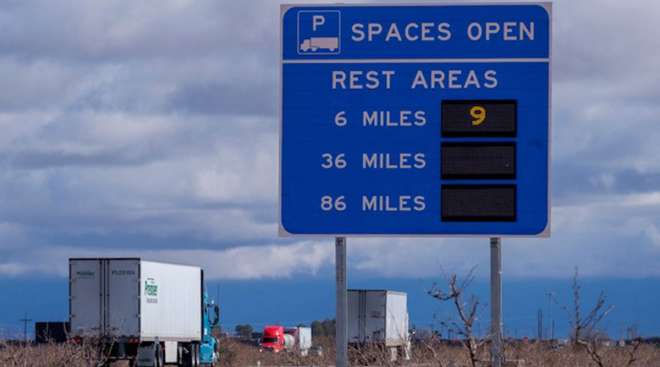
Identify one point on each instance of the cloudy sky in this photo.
(149, 129)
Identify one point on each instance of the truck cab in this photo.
(273, 338)
(277, 338)
(208, 349)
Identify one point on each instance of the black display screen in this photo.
(478, 203)
(478, 160)
(479, 118)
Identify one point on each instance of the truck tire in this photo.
(179, 355)
(195, 355)
(185, 360)
(159, 359)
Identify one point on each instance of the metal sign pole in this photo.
(341, 321)
(496, 300)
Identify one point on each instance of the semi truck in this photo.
(150, 313)
(278, 338)
(379, 317)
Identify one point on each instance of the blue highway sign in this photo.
(415, 120)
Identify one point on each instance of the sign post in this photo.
(496, 300)
(341, 320)
(415, 120)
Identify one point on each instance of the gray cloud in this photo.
(605, 41)
(225, 98)
(121, 31)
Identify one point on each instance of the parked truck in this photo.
(150, 313)
(278, 338)
(379, 317)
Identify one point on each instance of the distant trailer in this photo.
(316, 43)
(298, 339)
(379, 317)
(51, 331)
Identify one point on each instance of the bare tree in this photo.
(467, 312)
(633, 352)
(584, 327)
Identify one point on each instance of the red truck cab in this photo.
(273, 338)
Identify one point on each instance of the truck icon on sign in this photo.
(319, 32)
(320, 43)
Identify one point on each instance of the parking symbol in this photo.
(319, 32)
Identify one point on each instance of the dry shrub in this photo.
(436, 352)
(547, 355)
(234, 352)
(49, 355)
(369, 355)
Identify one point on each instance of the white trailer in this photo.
(148, 311)
(298, 339)
(379, 317)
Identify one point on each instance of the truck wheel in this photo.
(159, 358)
(195, 354)
(179, 355)
(186, 355)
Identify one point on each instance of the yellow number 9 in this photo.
(478, 113)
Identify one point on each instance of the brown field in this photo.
(236, 353)
(47, 355)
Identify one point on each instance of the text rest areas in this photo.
(432, 79)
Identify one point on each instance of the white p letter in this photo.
(317, 20)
